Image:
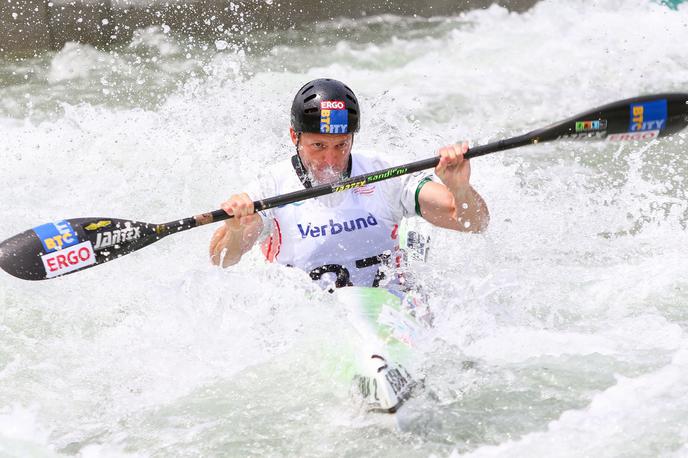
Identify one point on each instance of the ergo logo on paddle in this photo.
(633, 136)
(68, 259)
(332, 105)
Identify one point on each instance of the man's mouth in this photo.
(326, 175)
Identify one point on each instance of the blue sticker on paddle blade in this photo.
(56, 236)
(648, 116)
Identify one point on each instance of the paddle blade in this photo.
(67, 246)
(636, 119)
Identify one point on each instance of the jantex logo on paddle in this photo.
(334, 228)
(117, 236)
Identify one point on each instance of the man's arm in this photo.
(237, 235)
(453, 204)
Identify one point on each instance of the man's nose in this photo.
(331, 156)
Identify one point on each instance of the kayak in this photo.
(390, 325)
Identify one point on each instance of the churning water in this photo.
(562, 331)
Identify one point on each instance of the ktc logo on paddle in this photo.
(68, 259)
(591, 126)
(56, 236)
(648, 116)
(334, 117)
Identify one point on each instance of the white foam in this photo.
(76, 61)
(630, 418)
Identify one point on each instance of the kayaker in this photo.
(342, 238)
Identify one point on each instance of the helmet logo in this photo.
(334, 117)
(332, 105)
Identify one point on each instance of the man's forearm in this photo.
(228, 246)
(231, 250)
(460, 210)
(471, 212)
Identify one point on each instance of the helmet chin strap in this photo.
(297, 163)
(301, 170)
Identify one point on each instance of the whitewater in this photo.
(560, 331)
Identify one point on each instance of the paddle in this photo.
(66, 246)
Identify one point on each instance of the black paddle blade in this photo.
(66, 246)
(636, 119)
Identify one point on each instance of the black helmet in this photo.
(325, 106)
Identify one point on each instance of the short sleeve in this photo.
(410, 191)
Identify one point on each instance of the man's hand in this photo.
(453, 169)
(454, 204)
(238, 234)
(240, 206)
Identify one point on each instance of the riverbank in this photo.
(32, 26)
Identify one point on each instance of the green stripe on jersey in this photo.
(420, 186)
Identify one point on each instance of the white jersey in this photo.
(340, 236)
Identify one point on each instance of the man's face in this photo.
(325, 156)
